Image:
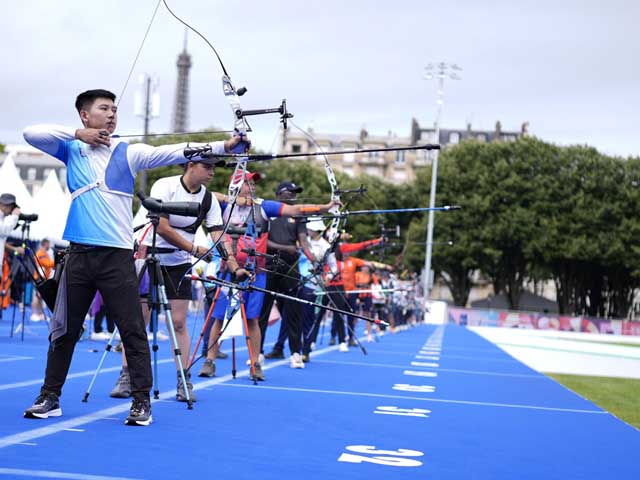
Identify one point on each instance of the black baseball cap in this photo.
(289, 187)
(8, 199)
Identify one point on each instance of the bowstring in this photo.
(135, 60)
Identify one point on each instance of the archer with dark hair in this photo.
(101, 172)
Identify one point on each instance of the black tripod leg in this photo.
(13, 319)
(15, 274)
(24, 309)
(233, 357)
(155, 308)
(352, 334)
(3, 294)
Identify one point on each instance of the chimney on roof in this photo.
(363, 135)
(468, 127)
(498, 132)
(415, 131)
(524, 130)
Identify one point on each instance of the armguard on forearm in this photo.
(304, 209)
(222, 251)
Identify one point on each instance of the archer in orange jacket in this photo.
(47, 263)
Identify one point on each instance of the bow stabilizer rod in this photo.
(347, 213)
(225, 283)
(264, 157)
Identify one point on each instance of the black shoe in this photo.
(306, 358)
(352, 343)
(332, 341)
(140, 413)
(221, 355)
(45, 406)
(274, 354)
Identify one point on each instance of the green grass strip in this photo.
(619, 396)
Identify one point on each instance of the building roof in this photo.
(28, 155)
(528, 301)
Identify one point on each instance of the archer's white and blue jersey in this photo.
(101, 181)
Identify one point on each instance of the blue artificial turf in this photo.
(487, 417)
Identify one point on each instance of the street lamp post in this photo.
(440, 71)
(147, 106)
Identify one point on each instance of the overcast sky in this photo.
(570, 68)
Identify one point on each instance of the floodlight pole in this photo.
(439, 71)
(147, 106)
(147, 117)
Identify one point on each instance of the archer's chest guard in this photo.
(239, 219)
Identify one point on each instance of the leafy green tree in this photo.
(593, 236)
(495, 185)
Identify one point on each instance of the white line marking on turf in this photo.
(86, 373)
(64, 475)
(484, 359)
(453, 370)
(31, 444)
(495, 374)
(74, 430)
(360, 364)
(438, 400)
(15, 359)
(53, 428)
(425, 364)
(416, 373)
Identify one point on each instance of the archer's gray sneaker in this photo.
(123, 385)
(208, 369)
(181, 395)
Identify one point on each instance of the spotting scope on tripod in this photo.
(157, 298)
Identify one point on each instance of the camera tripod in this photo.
(158, 302)
(19, 277)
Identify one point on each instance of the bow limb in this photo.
(333, 231)
(240, 127)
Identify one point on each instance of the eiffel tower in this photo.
(180, 119)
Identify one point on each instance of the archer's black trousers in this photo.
(290, 310)
(111, 271)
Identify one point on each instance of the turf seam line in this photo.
(437, 400)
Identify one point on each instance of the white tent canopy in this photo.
(10, 182)
(51, 204)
